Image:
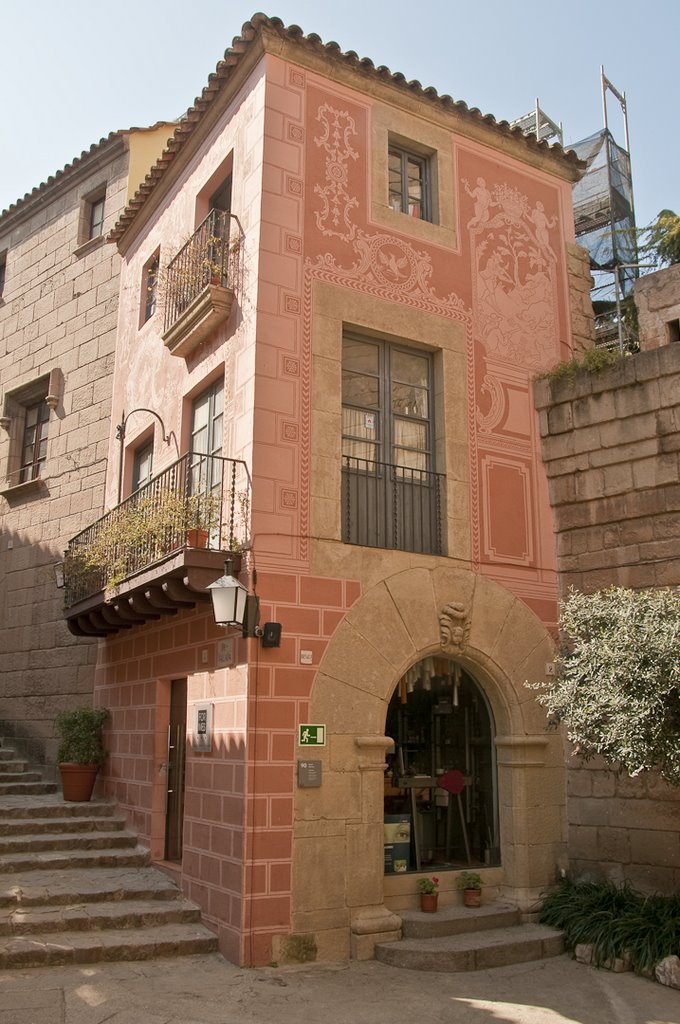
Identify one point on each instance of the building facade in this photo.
(59, 283)
(336, 287)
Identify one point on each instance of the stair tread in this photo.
(51, 804)
(42, 826)
(457, 912)
(7, 842)
(74, 883)
(482, 939)
(11, 863)
(22, 920)
(123, 943)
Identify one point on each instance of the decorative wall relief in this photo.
(338, 127)
(391, 268)
(514, 274)
(454, 627)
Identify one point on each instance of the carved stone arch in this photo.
(397, 622)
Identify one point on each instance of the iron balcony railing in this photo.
(198, 501)
(209, 257)
(389, 506)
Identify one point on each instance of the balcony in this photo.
(158, 550)
(200, 284)
(389, 506)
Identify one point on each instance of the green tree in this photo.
(663, 239)
(617, 682)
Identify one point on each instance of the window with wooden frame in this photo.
(3, 272)
(96, 220)
(391, 495)
(409, 183)
(25, 416)
(150, 287)
(142, 465)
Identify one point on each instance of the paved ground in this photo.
(206, 990)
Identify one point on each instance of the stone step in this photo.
(74, 886)
(457, 919)
(73, 947)
(26, 788)
(6, 753)
(474, 951)
(54, 841)
(56, 860)
(135, 913)
(16, 767)
(11, 778)
(52, 805)
(37, 826)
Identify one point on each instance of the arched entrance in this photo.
(441, 785)
(341, 894)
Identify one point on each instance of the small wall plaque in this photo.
(309, 774)
(201, 734)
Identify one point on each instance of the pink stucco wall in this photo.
(504, 280)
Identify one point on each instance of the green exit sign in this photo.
(312, 735)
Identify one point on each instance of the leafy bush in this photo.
(616, 920)
(594, 360)
(80, 735)
(617, 681)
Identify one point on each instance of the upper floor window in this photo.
(142, 466)
(34, 446)
(96, 225)
(391, 496)
(408, 183)
(150, 287)
(3, 272)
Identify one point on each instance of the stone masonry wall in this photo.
(611, 448)
(58, 311)
(657, 297)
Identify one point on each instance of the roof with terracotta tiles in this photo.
(233, 57)
(75, 165)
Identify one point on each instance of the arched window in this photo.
(441, 803)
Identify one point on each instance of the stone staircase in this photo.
(75, 886)
(458, 938)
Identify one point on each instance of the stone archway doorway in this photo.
(441, 786)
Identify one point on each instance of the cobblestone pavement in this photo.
(207, 990)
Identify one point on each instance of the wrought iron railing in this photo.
(209, 257)
(198, 501)
(389, 506)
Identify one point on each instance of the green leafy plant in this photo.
(428, 885)
(469, 880)
(617, 921)
(662, 241)
(80, 735)
(592, 361)
(617, 681)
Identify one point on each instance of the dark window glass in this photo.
(150, 288)
(142, 467)
(96, 217)
(34, 447)
(408, 183)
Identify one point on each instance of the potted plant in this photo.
(81, 750)
(429, 894)
(470, 884)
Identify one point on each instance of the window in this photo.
(96, 217)
(207, 413)
(390, 493)
(34, 446)
(150, 287)
(3, 271)
(142, 466)
(673, 331)
(408, 183)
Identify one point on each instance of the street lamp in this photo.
(234, 606)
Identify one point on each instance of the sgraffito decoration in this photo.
(337, 129)
(514, 274)
(390, 268)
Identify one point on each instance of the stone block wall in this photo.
(657, 298)
(611, 449)
(58, 316)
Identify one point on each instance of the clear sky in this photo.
(71, 71)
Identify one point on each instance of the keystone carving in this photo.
(454, 626)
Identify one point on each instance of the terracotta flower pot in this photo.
(428, 902)
(197, 538)
(472, 897)
(77, 781)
